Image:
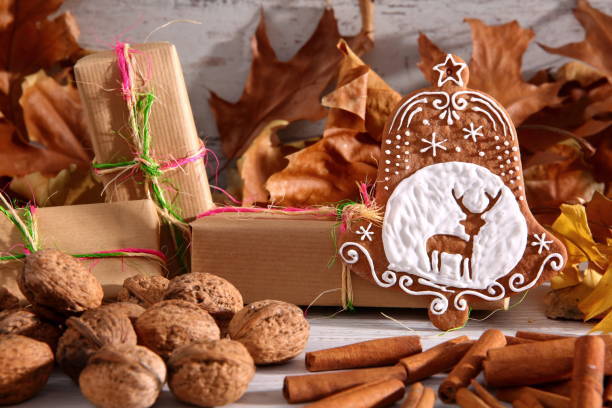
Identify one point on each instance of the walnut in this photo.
(7, 299)
(25, 366)
(144, 290)
(60, 283)
(272, 331)
(87, 334)
(123, 376)
(26, 323)
(211, 292)
(131, 310)
(170, 324)
(210, 373)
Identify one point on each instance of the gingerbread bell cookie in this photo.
(456, 224)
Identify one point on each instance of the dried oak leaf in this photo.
(277, 90)
(329, 170)
(495, 67)
(596, 46)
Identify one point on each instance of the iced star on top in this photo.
(450, 70)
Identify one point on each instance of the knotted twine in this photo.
(139, 107)
(27, 226)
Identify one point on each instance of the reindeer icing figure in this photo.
(456, 224)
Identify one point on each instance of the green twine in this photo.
(140, 120)
(28, 233)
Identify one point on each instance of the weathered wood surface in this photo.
(216, 54)
(346, 328)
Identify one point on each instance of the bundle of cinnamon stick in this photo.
(529, 369)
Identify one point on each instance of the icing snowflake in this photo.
(433, 144)
(472, 132)
(450, 70)
(541, 242)
(365, 232)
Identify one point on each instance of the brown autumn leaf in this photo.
(54, 123)
(291, 90)
(559, 175)
(70, 186)
(41, 121)
(495, 67)
(329, 170)
(264, 157)
(596, 46)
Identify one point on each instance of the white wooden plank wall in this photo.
(216, 54)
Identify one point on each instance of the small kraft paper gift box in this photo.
(144, 137)
(130, 227)
(290, 258)
(151, 68)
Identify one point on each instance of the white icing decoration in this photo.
(556, 263)
(541, 242)
(397, 172)
(433, 144)
(388, 151)
(506, 152)
(497, 148)
(457, 149)
(365, 232)
(397, 146)
(387, 161)
(499, 158)
(443, 77)
(406, 143)
(481, 154)
(495, 290)
(397, 156)
(425, 122)
(413, 215)
(388, 141)
(398, 137)
(387, 178)
(472, 132)
(407, 133)
(386, 187)
(387, 170)
(514, 148)
(496, 137)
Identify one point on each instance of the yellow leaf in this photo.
(605, 325)
(572, 228)
(600, 300)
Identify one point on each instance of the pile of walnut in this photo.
(191, 332)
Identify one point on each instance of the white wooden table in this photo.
(345, 328)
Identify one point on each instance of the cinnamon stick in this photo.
(467, 399)
(311, 387)
(370, 395)
(548, 399)
(519, 403)
(558, 387)
(372, 353)
(435, 360)
(419, 397)
(528, 400)
(536, 363)
(588, 372)
(538, 336)
(470, 364)
(511, 340)
(413, 396)
(485, 395)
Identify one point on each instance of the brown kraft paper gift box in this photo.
(173, 131)
(79, 229)
(286, 258)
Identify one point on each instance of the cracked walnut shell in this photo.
(25, 366)
(144, 290)
(123, 376)
(210, 373)
(272, 331)
(170, 324)
(54, 280)
(85, 335)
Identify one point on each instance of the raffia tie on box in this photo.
(139, 107)
(345, 212)
(26, 225)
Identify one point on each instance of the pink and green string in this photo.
(27, 227)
